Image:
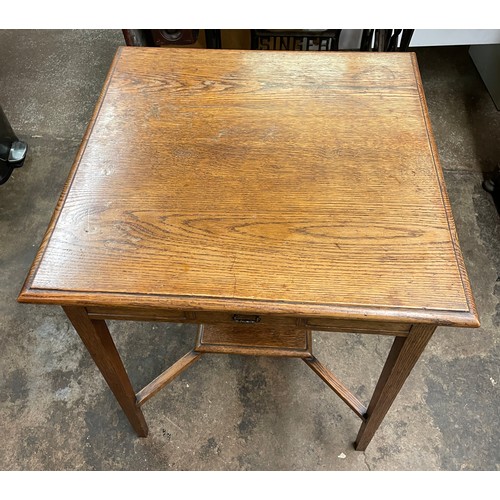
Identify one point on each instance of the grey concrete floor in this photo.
(233, 413)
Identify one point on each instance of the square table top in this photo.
(257, 181)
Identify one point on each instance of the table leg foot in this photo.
(98, 341)
(402, 357)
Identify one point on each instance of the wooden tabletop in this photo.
(258, 181)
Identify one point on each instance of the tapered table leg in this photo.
(402, 358)
(97, 339)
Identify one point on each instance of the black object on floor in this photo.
(12, 150)
(492, 185)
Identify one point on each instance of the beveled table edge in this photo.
(250, 306)
(444, 194)
(462, 318)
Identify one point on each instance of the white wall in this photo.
(454, 37)
(350, 39)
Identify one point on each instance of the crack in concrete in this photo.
(365, 459)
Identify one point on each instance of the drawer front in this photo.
(176, 316)
(239, 318)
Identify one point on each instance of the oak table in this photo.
(263, 196)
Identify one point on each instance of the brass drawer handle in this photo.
(246, 318)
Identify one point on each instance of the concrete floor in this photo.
(228, 413)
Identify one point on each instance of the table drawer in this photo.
(167, 315)
(240, 318)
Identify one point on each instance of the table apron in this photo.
(316, 323)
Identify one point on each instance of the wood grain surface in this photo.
(276, 182)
